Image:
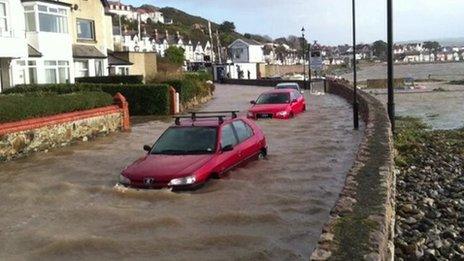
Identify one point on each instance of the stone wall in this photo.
(19, 139)
(280, 70)
(361, 224)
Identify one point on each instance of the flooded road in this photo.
(64, 204)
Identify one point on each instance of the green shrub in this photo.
(144, 99)
(113, 79)
(32, 105)
(189, 89)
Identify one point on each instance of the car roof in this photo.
(280, 91)
(208, 122)
(288, 84)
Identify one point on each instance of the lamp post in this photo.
(304, 56)
(391, 98)
(355, 88)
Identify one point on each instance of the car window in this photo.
(273, 98)
(243, 130)
(186, 141)
(228, 136)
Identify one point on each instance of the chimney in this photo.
(156, 35)
(167, 35)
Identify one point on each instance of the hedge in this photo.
(32, 105)
(113, 79)
(191, 85)
(144, 99)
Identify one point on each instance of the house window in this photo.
(56, 71)
(98, 67)
(82, 68)
(52, 19)
(3, 18)
(29, 13)
(85, 29)
(122, 71)
(27, 72)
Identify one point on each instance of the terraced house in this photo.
(12, 38)
(46, 41)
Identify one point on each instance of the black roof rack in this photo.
(195, 113)
(206, 115)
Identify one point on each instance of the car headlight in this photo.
(183, 181)
(282, 113)
(124, 180)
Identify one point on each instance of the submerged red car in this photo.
(279, 104)
(195, 149)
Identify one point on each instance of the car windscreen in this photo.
(273, 98)
(186, 141)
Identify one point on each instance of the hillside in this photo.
(194, 28)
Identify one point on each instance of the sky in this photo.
(329, 21)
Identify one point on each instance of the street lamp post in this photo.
(355, 88)
(391, 98)
(309, 65)
(304, 56)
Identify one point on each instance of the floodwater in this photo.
(443, 71)
(440, 110)
(64, 205)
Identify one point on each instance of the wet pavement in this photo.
(64, 204)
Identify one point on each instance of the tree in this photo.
(281, 53)
(227, 27)
(175, 55)
(432, 46)
(379, 49)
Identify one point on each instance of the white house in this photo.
(12, 39)
(246, 55)
(50, 54)
(155, 16)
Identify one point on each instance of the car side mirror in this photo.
(294, 100)
(253, 102)
(147, 148)
(228, 148)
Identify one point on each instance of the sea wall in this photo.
(361, 224)
(18, 139)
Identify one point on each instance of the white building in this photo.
(246, 55)
(200, 53)
(50, 45)
(12, 39)
(155, 16)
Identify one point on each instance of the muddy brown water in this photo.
(63, 205)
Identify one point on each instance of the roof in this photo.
(247, 41)
(115, 61)
(49, 2)
(86, 51)
(251, 41)
(32, 52)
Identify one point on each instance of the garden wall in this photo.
(21, 138)
(361, 225)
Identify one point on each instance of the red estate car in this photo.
(195, 149)
(280, 104)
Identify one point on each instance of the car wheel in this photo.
(262, 155)
(291, 115)
(304, 108)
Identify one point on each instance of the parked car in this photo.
(194, 149)
(289, 85)
(279, 104)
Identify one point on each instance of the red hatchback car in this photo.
(280, 104)
(195, 149)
